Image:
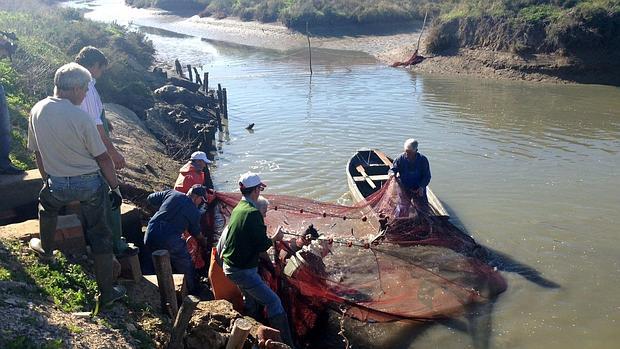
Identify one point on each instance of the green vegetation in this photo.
(67, 284)
(571, 27)
(23, 342)
(50, 37)
(522, 26)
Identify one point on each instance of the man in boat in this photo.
(74, 162)
(176, 213)
(245, 240)
(96, 62)
(413, 174)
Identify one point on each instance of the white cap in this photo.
(410, 144)
(200, 155)
(249, 180)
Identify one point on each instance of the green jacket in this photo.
(247, 237)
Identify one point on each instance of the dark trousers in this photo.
(180, 259)
(5, 131)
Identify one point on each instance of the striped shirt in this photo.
(92, 103)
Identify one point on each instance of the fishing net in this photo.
(369, 265)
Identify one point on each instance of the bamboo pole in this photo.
(180, 323)
(421, 31)
(206, 82)
(165, 282)
(189, 72)
(309, 48)
(225, 103)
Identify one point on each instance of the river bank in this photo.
(394, 43)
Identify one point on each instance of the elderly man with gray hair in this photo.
(414, 175)
(74, 163)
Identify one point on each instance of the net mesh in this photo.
(378, 268)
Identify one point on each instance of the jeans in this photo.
(5, 131)
(254, 289)
(90, 191)
(180, 259)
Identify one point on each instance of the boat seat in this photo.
(373, 178)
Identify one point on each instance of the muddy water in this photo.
(530, 170)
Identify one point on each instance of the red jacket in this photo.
(188, 176)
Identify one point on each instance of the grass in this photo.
(23, 342)
(50, 37)
(66, 284)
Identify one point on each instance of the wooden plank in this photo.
(361, 170)
(383, 158)
(374, 178)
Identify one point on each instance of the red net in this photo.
(378, 268)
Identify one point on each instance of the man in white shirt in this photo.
(96, 62)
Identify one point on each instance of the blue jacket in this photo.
(176, 214)
(413, 174)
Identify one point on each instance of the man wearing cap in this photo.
(177, 212)
(193, 172)
(414, 175)
(245, 240)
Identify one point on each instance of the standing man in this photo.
(245, 240)
(96, 62)
(6, 167)
(414, 174)
(193, 172)
(72, 160)
(176, 213)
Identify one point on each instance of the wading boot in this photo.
(108, 293)
(280, 323)
(35, 245)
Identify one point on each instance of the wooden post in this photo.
(131, 266)
(220, 96)
(225, 103)
(206, 82)
(181, 321)
(198, 81)
(240, 332)
(163, 269)
(189, 72)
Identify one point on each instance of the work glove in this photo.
(115, 197)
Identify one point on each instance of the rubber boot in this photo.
(47, 230)
(280, 323)
(104, 273)
(113, 219)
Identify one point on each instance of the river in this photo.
(531, 170)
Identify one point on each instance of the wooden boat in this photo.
(367, 172)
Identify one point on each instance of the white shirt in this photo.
(92, 103)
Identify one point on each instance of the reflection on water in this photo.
(529, 169)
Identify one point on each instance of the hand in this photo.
(118, 159)
(115, 197)
(279, 234)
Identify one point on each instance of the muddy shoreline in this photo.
(393, 43)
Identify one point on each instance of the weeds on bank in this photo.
(65, 283)
(23, 342)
